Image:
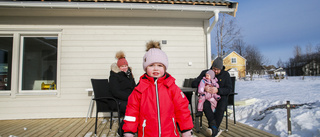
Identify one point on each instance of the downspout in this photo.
(216, 18)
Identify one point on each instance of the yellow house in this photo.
(235, 64)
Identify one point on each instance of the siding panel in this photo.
(87, 49)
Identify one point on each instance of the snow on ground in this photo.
(305, 119)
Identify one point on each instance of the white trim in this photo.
(58, 75)
(216, 18)
(206, 25)
(15, 65)
(232, 60)
(120, 6)
(30, 30)
(130, 118)
(37, 93)
(182, 94)
(6, 35)
(21, 47)
(20, 37)
(5, 93)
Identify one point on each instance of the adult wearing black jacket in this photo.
(121, 83)
(225, 87)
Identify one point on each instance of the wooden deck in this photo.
(77, 127)
(238, 130)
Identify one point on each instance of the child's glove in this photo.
(187, 134)
(128, 135)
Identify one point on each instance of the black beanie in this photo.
(217, 63)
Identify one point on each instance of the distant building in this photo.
(234, 72)
(280, 72)
(235, 64)
(311, 69)
(304, 65)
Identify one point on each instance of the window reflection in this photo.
(39, 63)
(5, 62)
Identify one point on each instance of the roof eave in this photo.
(231, 10)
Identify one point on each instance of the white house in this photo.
(279, 71)
(312, 68)
(234, 73)
(65, 44)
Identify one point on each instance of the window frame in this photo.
(8, 92)
(17, 56)
(22, 46)
(234, 59)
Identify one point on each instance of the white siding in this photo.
(88, 47)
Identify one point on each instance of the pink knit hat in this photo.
(121, 62)
(121, 59)
(211, 73)
(154, 54)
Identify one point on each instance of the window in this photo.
(29, 62)
(38, 62)
(233, 60)
(5, 62)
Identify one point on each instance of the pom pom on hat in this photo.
(121, 59)
(153, 44)
(154, 54)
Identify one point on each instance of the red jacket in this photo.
(142, 110)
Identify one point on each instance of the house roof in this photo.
(193, 2)
(226, 55)
(203, 6)
(279, 70)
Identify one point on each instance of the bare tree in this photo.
(239, 46)
(309, 49)
(297, 51)
(280, 64)
(212, 56)
(254, 60)
(317, 47)
(226, 32)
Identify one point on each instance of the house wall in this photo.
(234, 73)
(86, 49)
(280, 73)
(240, 65)
(311, 69)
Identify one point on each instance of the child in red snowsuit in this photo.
(210, 80)
(157, 105)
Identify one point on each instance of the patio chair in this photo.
(187, 83)
(231, 102)
(230, 99)
(104, 100)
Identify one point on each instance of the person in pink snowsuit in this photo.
(208, 80)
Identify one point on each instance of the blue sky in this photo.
(277, 26)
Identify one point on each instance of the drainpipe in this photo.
(216, 18)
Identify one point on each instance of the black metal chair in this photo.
(104, 100)
(230, 99)
(187, 83)
(231, 102)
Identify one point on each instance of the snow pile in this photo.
(272, 94)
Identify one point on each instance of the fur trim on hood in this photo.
(114, 67)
